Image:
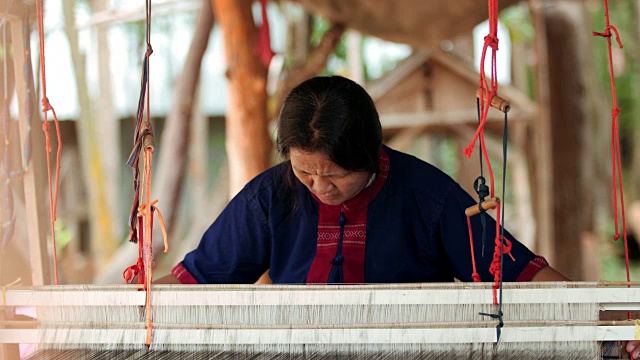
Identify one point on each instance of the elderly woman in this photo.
(343, 208)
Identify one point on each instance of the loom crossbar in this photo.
(321, 336)
(609, 298)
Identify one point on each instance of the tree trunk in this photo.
(247, 138)
(174, 144)
(571, 170)
(103, 241)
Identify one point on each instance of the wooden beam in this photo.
(134, 14)
(37, 224)
(441, 118)
(378, 88)
(326, 336)
(15, 11)
(543, 169)
(615, 297)
(390, 79)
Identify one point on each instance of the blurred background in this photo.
(218, 75)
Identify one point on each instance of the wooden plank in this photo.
(627, 298)
(137, 13)
(327, 336)
(36, 225)
(14, 18)
(439, 118)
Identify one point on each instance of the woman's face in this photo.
(332, 184)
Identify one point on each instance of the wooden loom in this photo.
(354, 321)
(548, 320)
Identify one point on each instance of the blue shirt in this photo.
(416, 232)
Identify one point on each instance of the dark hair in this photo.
(335, 116)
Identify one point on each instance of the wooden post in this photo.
(37, 224)
(564, 142)
(248, 142)
(36, 229)
(542, 160)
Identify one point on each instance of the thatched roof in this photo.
(422, 23)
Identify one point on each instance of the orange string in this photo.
(148, 242)
(148, 159)
(46, 106)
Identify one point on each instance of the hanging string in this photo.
(616, 162)
(486, 95)
(488, 89)
(481, 188)
(46, 106)
(474, 274)
(143, 208)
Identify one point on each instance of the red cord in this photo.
(616, 162)
(474, 275)
(487, 92)
(46, 106)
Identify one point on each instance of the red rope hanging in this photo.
(488, 89)
(46, 106)
(616, 162)
(474, 274)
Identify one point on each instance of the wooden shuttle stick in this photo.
(497, 102)
(486, 205)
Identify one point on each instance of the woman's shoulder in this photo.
(418, 175)
(271, 182)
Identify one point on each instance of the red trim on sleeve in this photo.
(532, 268)
(183, 275)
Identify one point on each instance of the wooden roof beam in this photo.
(446, 118)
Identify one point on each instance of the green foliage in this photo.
(64, 235)
(612, 258)
(517, 20)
